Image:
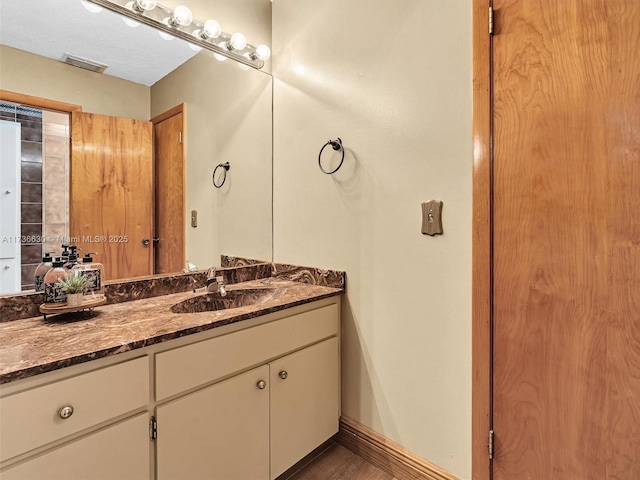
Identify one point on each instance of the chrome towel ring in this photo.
(226, 168)
(336, 145)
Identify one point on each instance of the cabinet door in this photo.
(120, 451)
(304, 402)
(219, 432)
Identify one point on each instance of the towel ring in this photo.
(226, 167)
(336, 145)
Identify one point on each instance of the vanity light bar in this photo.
(157, 18)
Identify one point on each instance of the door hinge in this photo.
(179, 137)
(153, 428)
(490, 444)
(490, 20)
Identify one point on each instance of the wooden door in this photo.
(219, 432)
(169, 191)
(111, 192)
(566, 239)
(305, 403)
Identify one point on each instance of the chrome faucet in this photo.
(215, 284)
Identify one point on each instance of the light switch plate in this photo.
(432, 218)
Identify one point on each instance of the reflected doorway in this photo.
(169, 173)
(164, 208)
(35, 181)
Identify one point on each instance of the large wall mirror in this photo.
(225, 117)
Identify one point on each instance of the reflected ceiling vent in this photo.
(84, 63)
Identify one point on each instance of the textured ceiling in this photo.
(52, 27)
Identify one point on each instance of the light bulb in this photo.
(141, 6)
(92, 7)
(147, 4)
(237, 42)
(262, 52)
(211, 29)
(182, 17)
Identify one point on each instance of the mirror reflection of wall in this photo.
(44, 178)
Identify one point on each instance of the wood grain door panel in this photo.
(111, 192)
(566, 239)
(170, 180)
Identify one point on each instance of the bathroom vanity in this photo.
(141, 392)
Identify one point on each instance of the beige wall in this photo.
(393, 80)
(228, 119)
(30, 74)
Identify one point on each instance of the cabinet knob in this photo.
(283, 374)
(65, 412)
(261, 384)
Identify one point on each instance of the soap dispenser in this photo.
(72, 258)
(64, 256)
(53, 293)
(93, 270)
(41, 271)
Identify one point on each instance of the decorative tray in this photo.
(58, 308)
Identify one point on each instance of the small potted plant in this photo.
(74, 286)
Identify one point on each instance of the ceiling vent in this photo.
(84, 63)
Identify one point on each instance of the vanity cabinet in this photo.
(242, 401)
(256, 424)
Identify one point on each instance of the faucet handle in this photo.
(211, 272)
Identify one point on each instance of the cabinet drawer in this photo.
(118, 452)
(193, 365)
(31, 418)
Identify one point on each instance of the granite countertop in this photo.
(33, 345)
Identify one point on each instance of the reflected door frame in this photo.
(169, 171)
(40, 104)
